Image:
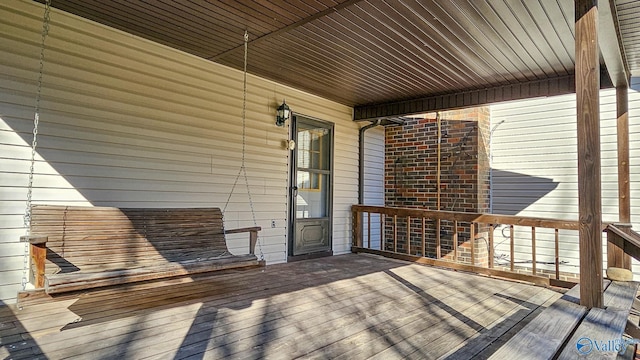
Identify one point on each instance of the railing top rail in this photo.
(471, 217)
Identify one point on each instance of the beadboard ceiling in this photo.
(372, 53)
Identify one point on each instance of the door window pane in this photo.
(312, 198)
(313, 147)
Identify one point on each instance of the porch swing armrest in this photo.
(34, 239)
(243, 230)
(253, 236)
(38, 255)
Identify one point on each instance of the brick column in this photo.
(411, 168)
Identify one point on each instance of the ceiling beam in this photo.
(537, 88)
(463, 99)
(610, 45)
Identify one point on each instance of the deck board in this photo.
(345, 307)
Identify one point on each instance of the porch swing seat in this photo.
(77, 248)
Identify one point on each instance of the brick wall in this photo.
(411, 178)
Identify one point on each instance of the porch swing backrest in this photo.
(90, 247)
(76, 248)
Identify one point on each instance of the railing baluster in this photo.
(511, 246)
(491, 251)
(391, 235)
(424, 240)
(557, 241)
(472, 238)
(533, 250)
(455, 240)
(382, 231)
(438, 245)
(369, 230)
(395, 233)
(408, 234)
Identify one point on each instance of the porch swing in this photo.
(75, 248)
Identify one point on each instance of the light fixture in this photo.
(283, 114)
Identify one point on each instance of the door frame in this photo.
(292, 183)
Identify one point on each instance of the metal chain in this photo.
(243, 168)
(34, 143)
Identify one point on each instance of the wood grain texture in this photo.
(589, 182)
(615, 255)
(620, 295)
(624, 238)
(602, 326)
(39, 239)
(545, 334)
(557, 330)
(622, 130)
(458, 221)
(470, 217)
(534, 279)
(96, 246)
(342, 307)
(38, 257)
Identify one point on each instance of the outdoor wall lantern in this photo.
(283, 114)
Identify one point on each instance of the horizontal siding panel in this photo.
(129, 123)
(529, 193)
(8, 287)
(535, 166)
(11, 263)
(9, 250)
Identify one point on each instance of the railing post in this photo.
(587, 75)
(533, 250)
(616, 256)
(622, 236)
(357, 228)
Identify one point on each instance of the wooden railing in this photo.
(449, 239)
(623, 236)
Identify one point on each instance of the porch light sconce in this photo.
(284, 112)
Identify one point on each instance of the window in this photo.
(310, 157)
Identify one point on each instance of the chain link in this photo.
(243, 168)
(34, 143)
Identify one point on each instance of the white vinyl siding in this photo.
(374, 166)
(534, 148)
(130, 123)
(374, 180)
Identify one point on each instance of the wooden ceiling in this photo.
(629, 24)
(381, 56)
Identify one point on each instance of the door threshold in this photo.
(310, 256)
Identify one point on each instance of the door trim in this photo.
(292, 183)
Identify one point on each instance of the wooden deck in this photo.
(342, 307)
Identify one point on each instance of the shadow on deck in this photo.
(349, 306)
